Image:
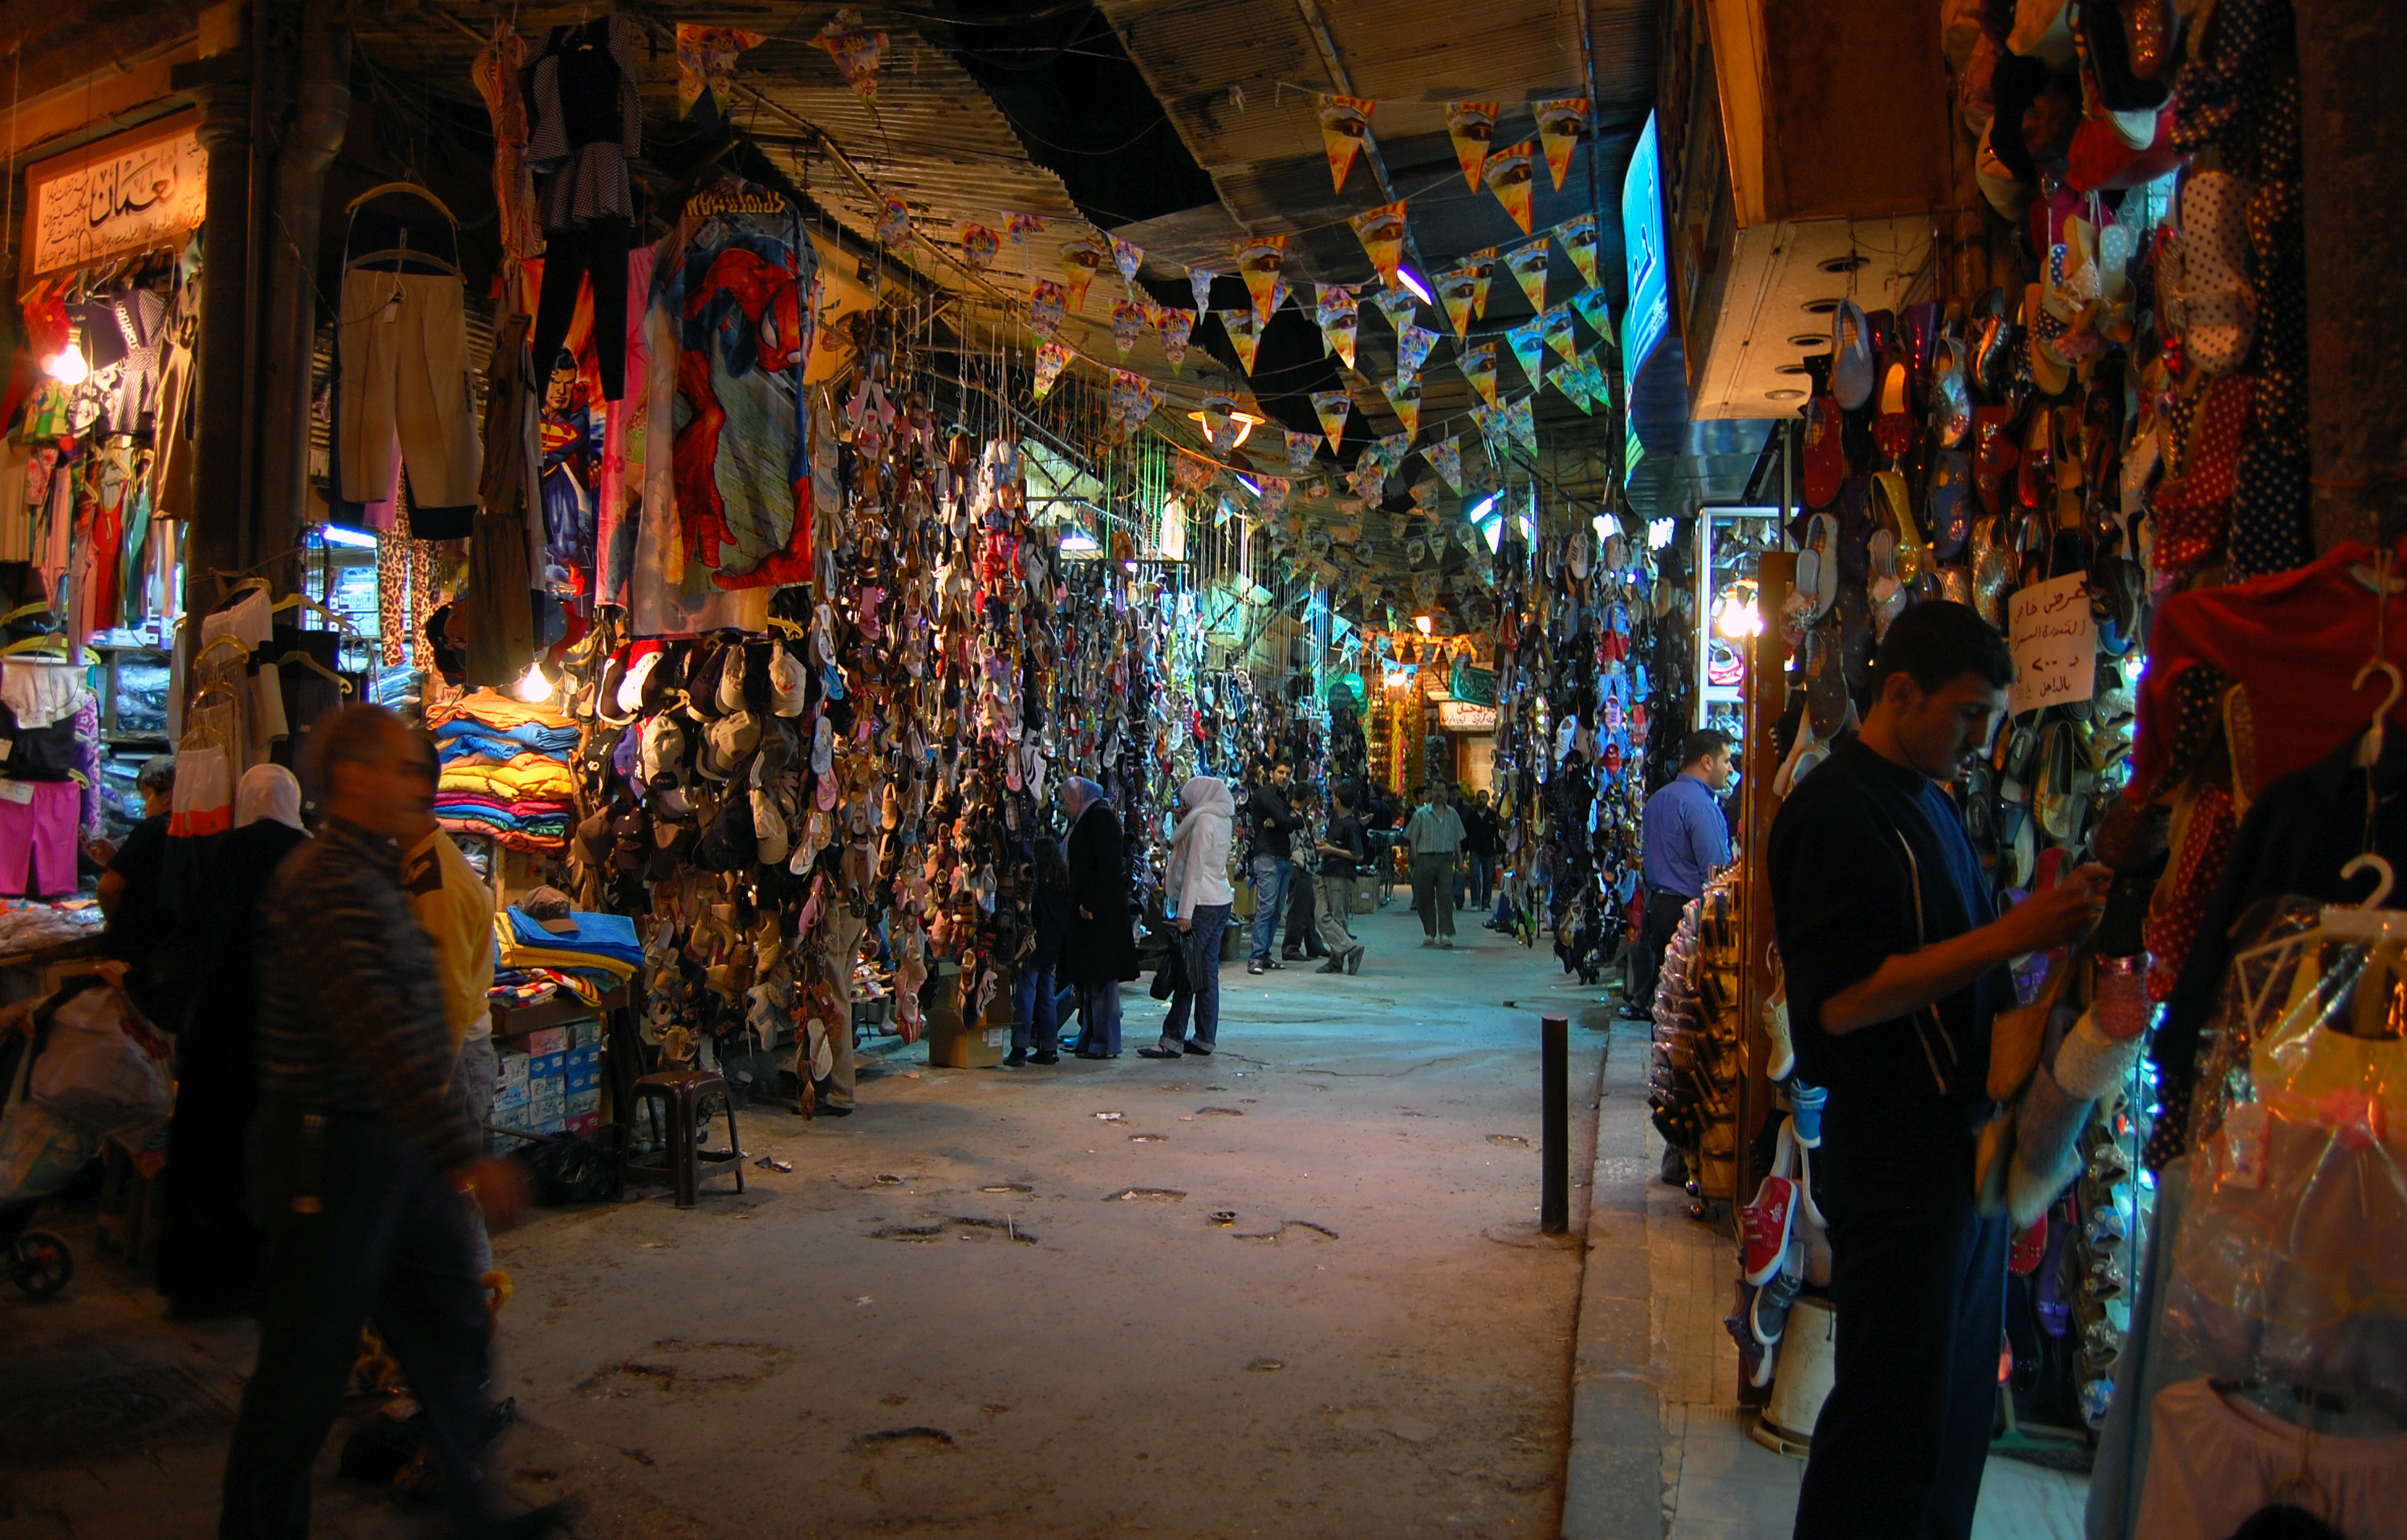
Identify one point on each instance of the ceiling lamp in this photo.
(533, 686)
(1246, 422)
(1423, 624)
(67, 365)
(1411, 280)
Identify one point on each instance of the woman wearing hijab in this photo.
(1099, 949)
(209, 1250)
(1196, 890)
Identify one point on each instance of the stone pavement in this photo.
(1655, 1375)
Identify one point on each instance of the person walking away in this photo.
(1271, 825)
(455, 908)
(1433, 842)
(1478, 849)
(366, 1148)
(1196, 888)
(1034, 1022)
(1896, 964)
(210, 1248)
(1097, 949)
(129, 892)
(1685, 841)
(1342, 854)
(1304, 890)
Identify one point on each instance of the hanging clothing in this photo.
(2289, 638)
(16, 513)
(625, 428)
(499, 72)
(504, 552)
(667, 596)
(590, 256)
(742, 288)
(2216, 1459)
(38, 820)
(141, 318)
(172, 435)
(585, 122)
(402, 340)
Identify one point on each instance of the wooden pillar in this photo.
(1767, 689)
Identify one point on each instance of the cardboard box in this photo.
(585, 1034)
(588, 1059)
(551, 1040)
(583, 1124)
(584, 1101)
(578, 1080)
(548, 1067)
(955, 1044)
(515, 1068)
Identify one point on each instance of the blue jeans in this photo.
(1471, 887)
(1098, 1018)
(1199, 955)
(1033, 1012)
(1271, 875)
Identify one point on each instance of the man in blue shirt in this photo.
(1687, 839)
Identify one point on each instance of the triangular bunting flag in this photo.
(1559, 335)
(1021, 226)
(1080, 262)
(1129, 404)
(1047, 301)
(1508, 173)
(1332, 407)
(1391, 450)
(1529, 265)
(1479, 368)
(1471, 125)
(1301, 447)
(1275, 495)
(705, 66)
(1560, 124)
(1592, 378)
(1176, 326)
(1578, 238)
(1344, 123)
(1529, 345)
(1524, 425)
(1260, 260)
(1381, 231)
(1051, 358)
(1566, 378)
(1396, 305)
(978, 247)
(1595, 309)
(1340, 317)
(1127, 325)
(1413, 345)
(1244, 330)
(1445, 459)
(1463, 292)
(1220, 423)
(855, 50)
(1127, 259)
(1404, 395)
(895, 225)
(1200, 279)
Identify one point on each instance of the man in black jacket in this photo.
(1272, 824)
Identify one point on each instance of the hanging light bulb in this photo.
(67, 365)
(533, 686)
(1423, 624)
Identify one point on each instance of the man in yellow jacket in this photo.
(455, 908)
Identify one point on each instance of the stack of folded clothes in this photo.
(541, 939)
(506, 771)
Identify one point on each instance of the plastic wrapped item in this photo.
(2291, 1266)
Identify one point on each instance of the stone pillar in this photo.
(215, 540)
(2351, 55)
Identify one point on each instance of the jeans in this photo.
(1431, 872)
(1655, 931)
(1199, 956)
(1918, 1280)
(1099, 1017)
(480, 1082)
(1035, 1007)
(390, 1244)
(1302, 911)
(1271, 874)
(1336, 915)
(1471, 887)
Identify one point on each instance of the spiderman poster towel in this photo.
(742, 295)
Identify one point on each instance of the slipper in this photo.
(1993, 345)
(1893, 424)
(1826, 457)
(1892, 509)
(1951, 394)
(1851, 357)
(1951, 520)
(1166, 1051)
(1921, 340)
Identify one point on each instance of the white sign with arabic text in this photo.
(107, 199)
(2055, 643)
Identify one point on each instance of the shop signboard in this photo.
(1649, 313)
(1475, 684)
(146, 188)
(2054, 641)
(1465, 717)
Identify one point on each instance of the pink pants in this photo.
(37, 837)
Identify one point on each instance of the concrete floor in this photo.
(1294, 1290)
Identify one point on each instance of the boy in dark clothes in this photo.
(1033, 1005)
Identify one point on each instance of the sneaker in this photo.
(1273, 964)
(1769, 1317)
(1805, 1104)
(1333, 966)
(1429, 940)
(1354, 960)
(1255, 966)
(1766, 1224)
(1446, 943)
(1784, 1051)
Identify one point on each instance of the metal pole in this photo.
(1555, 1195)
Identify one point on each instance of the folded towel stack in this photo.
(506, 771)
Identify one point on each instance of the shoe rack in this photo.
(1767, 686)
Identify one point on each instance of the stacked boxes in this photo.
(551, 1081)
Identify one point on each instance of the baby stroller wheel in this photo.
(40, 1263)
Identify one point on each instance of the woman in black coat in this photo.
(1098, 950)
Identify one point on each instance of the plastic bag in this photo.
(97, 1068)
(2291, 1265)
(39, 1151)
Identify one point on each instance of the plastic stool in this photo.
(682, 1091)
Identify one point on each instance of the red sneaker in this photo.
(1765, 1225)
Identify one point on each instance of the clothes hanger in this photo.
(296, 656)
(404, 188)
(213, 644)
(289, 602)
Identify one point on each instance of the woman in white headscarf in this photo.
(1196, 890)
(1099, 949)
(209, 1250)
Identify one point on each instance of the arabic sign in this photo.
(137, 189)
(2055, 643)
(1464, 716)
